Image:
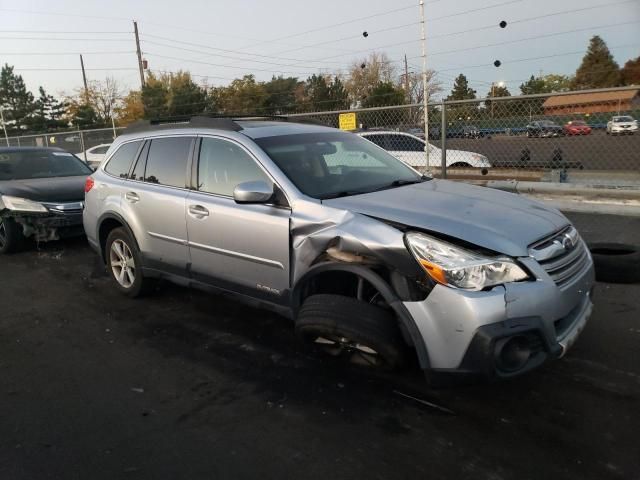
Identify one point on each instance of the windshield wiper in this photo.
(346, 193)
(401, 183)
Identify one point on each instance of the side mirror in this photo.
(257, 191)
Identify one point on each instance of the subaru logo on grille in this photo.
(567, 242)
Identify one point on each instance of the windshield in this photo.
(334, 164)
(623, 119)
(547, 123)
(29, 164)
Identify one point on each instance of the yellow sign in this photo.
(347, 121)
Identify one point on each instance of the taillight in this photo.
(88, 184)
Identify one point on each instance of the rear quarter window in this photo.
(120, 162)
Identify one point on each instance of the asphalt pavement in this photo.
(185, 385)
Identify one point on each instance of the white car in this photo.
(94, 155)
(410, 149)
(622, 124)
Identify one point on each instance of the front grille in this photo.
(563, 260)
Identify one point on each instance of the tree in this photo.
(130, 109)
(383, 94)
(598, 68)
(16, 101)
(501, 108)
(185, 97)
(48, 113)
(546, 84)
(416, 91)
(241, 96)
(324, 93)
(281, 94)
(631, 72)
(155, 97)
(461, 89)
(367, 74)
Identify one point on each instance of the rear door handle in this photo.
(131, 197)
(198, 211)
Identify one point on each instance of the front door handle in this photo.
(198, 211)
(131, 197)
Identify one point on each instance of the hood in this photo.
(50, 190)
(492, 219)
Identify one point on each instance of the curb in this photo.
(584, 191)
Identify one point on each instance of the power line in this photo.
(66, 53)
(63, 32)
(519, 60)
(151, 42)
(49, 69)
(59, 14)
(535, 37)
(54, 39)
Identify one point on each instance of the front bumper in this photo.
(44, 227)
(477, 333)
(630, 129)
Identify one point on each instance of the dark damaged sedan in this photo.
(41, 195)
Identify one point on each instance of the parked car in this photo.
(370, 259)
(544, 128)
(576, 127)
(41, 195)
(466, 131)
(410, 149)
(95, 155)
(621, 125)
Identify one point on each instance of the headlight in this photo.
(456, 267)
(21, 204)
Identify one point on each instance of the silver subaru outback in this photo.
(373, 261)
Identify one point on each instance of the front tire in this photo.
(357, 332)
(124, 264)
(11, 237)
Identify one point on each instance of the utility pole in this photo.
(84, 79)
(4, 127)
(135, 31)
(424, 84)
(406, 79)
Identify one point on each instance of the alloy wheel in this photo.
(122, 263)
(351, 350)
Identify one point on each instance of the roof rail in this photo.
(221, 122)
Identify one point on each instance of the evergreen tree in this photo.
(598, 68)
(383, 94)
(185, 96)
(461, 89)
(338, 95)
(48, 113)
(155, 97)
(17, 102)
(281, 94)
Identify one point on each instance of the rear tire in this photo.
(354, 331)
(11, 237)
(124, 264)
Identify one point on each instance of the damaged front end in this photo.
(43, 221)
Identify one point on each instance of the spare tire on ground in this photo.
(616, 262)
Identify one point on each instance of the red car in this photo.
(576, 127)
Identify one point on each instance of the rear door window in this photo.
(167, 161)
(120, 162)
(379, 140)
(403, 143)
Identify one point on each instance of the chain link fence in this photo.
(586, 137)
(80, 142)
(583, 137)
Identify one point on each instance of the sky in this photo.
(220, 40)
